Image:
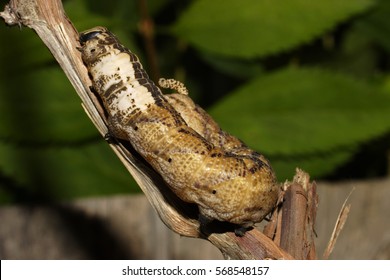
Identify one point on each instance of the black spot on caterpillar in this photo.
(201, 163)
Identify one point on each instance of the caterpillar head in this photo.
(96, 42)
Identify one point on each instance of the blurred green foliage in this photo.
(304, 82)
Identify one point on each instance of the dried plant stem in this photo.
(340, 222)
(292, 226)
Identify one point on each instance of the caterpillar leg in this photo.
(209, 226)
(109, 138)
(240, 231)
(115, 130)
(204, 224)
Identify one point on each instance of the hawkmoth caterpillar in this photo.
(201, 163)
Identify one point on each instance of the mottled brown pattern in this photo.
(201, 163)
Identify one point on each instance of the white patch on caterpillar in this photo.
(137, 96)
(119, 69)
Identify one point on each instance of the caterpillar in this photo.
(201, 163)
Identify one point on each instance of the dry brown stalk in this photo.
(292, 225)
(340, 222)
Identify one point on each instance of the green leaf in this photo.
(120, 17)
(21, 50)
(55, 173)
(235, 67)
(37, 102)
(317, 165)
(303, 112)
(85, 17)
(49, 148)
(376, 25)
(251, 28)
(41, 107)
